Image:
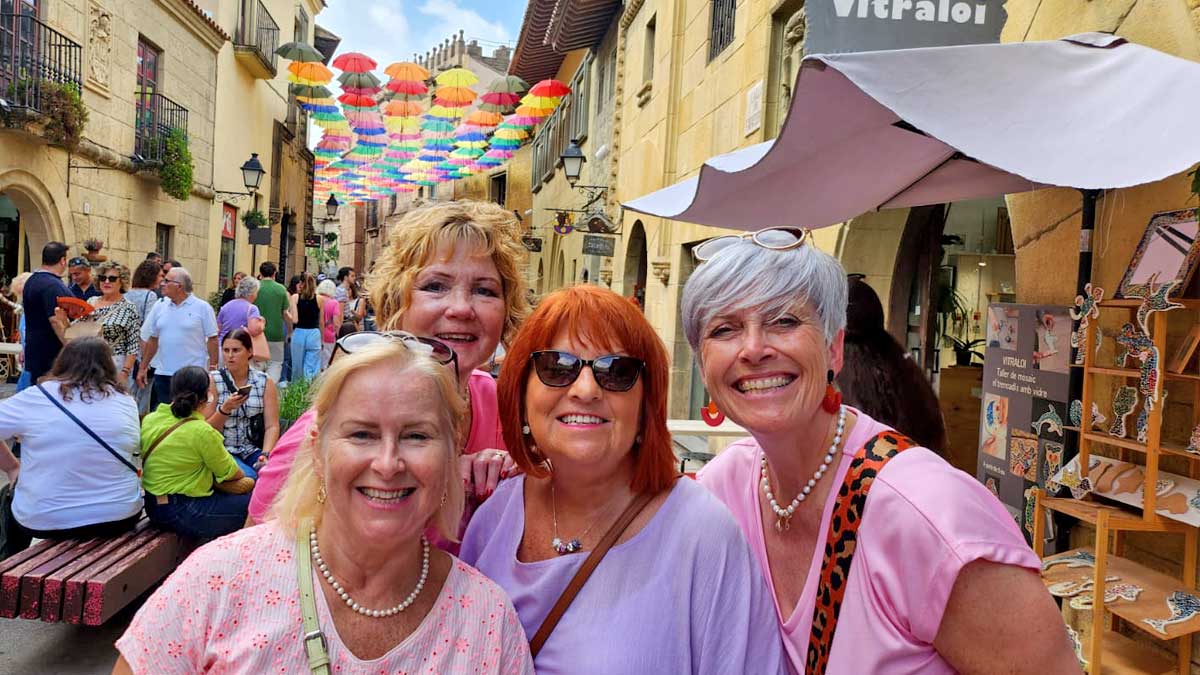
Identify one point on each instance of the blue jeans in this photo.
(200, 517)
(306, 350)
(162, 388)
(246, 464)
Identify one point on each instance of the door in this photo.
(148, 57)
(18, 46)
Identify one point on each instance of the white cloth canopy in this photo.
(891, 129)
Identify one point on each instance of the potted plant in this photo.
(177, 168)
(93, 246)
(254, 219)
(964, 351)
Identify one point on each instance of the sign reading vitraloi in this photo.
(838, 26)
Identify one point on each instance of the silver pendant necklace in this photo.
(574, 544)
(783, 515)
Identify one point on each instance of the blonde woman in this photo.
(306, 337)
(452, 271)
(118, 317)
(376, 469)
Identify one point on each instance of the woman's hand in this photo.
(231, 404)
(483, 471)
(13, 471)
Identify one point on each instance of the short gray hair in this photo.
(748, 276)
(246, 288)
(183, 277)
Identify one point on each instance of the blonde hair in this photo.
(297, 501)
(122, 271)
(483, 226)
(17, 286)
(326, 288)
(307, 288)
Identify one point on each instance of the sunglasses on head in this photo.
(613, 372)
(111, 278)
(773, 238)
(436, 349)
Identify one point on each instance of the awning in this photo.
(903, 128)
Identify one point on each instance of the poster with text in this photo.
(1022, 420)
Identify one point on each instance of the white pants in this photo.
(275, 365)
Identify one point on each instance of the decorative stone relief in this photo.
(794, 32)
(100, 37)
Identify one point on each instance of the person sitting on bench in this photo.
(193, 485)
(79, 434)
(249, 422)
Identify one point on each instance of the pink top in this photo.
(329, 322)
(234, 607)
(924, 521)
(485, 433)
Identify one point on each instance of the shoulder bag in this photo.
(842, 541)
(91, 433)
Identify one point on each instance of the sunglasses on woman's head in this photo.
(613, 372)
(773, 238)
(436, 349)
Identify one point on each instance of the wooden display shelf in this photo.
(1134, 303)
(1134, 372)
(1151, 604)
(1166, 447)
(1118, 518)
(1125, 656)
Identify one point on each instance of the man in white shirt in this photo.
(183, 327)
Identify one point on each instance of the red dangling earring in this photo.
(832, 401)
(711, 415)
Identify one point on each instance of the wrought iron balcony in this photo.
(33, 54)
(256, 39)
(157, 116)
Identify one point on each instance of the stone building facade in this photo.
(142, 67)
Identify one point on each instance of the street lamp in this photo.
(331, 207)
(572, 161)
(252, 173)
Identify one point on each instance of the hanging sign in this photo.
(228, 221)
(839, 26)
(1022, 434)
(312, 240)
(595, 244)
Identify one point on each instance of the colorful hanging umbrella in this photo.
(500, 98)
(316, 72)
(526, 120)
(456, 77)
(410, 87)
(357, 79)
(539, 103)
(309, 91)
(406, 70)
(550, 88)
(299, 51)
(484, 118)
(454, 96)
(402, 109)
(511, 134)
(355, 62)
(357, 100)
(509, 84)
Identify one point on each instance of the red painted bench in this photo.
(87, 581)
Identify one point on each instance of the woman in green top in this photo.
(184, 459)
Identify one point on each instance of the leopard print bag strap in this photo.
(842, 540)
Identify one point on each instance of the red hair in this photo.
(607, 321)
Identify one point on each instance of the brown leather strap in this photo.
(164, 434)
(568, 595)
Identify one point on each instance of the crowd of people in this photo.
(424, 515)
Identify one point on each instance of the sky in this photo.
(391, 30)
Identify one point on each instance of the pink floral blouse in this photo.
(234, 607)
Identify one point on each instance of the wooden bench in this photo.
(87, 581)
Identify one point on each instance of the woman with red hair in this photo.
(583, 404)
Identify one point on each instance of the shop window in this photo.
(301, 26)
(580, 94)
(720, 33)
(498, 190)
(163, 238)
(226, 270)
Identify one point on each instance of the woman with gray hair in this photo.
(935, 558)
(241, 312)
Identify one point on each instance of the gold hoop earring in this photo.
(321, 494)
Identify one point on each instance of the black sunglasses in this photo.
(613, 372)
(436, 349)
(109, 278)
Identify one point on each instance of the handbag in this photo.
(261, 351)
(576, 584)
(842, 541)
(256, 431)
(82, 328)
(91, 433)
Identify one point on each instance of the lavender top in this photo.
(235, 314)
(684, 595)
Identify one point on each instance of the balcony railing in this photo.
(256, 39)
(157, 116)
(32, 54)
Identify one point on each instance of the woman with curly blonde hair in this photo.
(119, 320)
(453, 271)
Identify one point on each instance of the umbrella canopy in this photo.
(456, 77)
(501, 99)
(550, 88)
(410, 87)
(299, 51)
(360, 80)
(454, 96)
(357, 100)
(314, 72)
(355, 62)
(509, 84)
(905, 128)
(309, 91)
(484, 118)
(543, 102)
(402, 108)
(406, 70)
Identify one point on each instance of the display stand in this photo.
(1106, 649)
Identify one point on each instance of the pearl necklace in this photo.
(783, 515)
(374, 613)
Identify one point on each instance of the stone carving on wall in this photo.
(100, 36)
(793, 53)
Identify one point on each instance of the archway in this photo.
(42, 218)
(635, 264)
